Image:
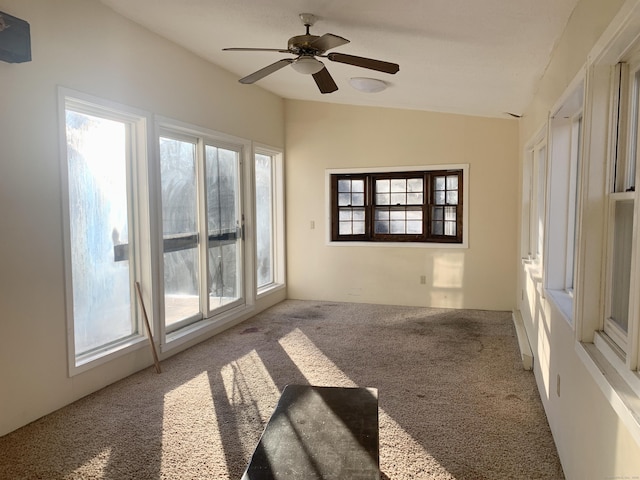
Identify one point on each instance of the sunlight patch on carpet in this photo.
(181, 429)
(95, 466)
(248, 383)
(398, 450)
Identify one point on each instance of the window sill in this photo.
(269, 289)
(206, 328)
(563, 301)
(91, 360)
(619, 385)
(455, 246)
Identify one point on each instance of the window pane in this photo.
(179, 221)
(398, 199)
(398, 227)
(358, 214)
(358, 228)
(437, 228)
(264, 219)
(452, 182)
(344, 199)
(622, 246)
(382, 214)
(181, 298)
(383, 199)
(450, 228)
(415, 199)
(223, 223)
(414, 215)
(357, 199)
(439, 183)
(97, 176)
(344, 185)
(397, 214)
(450, 213)
(383, 186)
(357, 186)
(415, 185)
(398, 185)
(414, 227)
(345, 215)
(439, 198)
(345, 228)
(382, 226)
(452, 198)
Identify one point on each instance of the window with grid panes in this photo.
(417, 206)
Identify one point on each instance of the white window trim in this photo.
(563, 197)
(278, 219)
(424, 168)
(140, 120)
(530, 232)
(616, 376)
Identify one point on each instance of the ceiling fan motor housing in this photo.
(301, 45)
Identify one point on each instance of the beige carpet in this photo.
(455, 402)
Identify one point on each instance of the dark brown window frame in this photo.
(428, 201)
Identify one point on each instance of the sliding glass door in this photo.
(202, 228)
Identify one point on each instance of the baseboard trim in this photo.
(526, 354)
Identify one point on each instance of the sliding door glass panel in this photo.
(224, 221)
(180, 232)
(264, 219)
(99, 230)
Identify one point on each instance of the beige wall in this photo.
(324, 136)
(83, 45)
(592, 440)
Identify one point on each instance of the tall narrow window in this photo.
(573, 199)
(269, 213)
(561, 222)
(264, 196)
(621, 206)
(539, 181)
(100, 238)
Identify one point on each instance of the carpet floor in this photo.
(454, 400)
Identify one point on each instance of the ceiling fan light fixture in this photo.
(307, 65)
(367, 85)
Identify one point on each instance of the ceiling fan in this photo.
(306, 48)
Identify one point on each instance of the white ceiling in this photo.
(476, 57)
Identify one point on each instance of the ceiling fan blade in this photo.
(242, 49)
(328, 41)
(369, 63)
(263, 72)
(325, 82)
